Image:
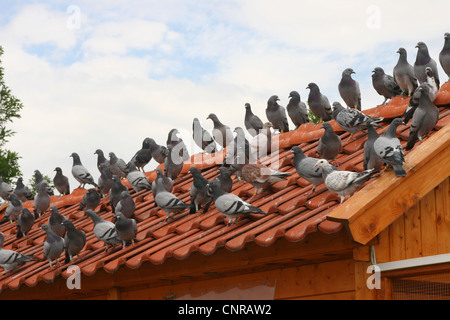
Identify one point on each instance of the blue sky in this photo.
(107, 74)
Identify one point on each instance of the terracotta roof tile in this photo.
(292, 212)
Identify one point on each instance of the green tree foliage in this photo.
(9, 110)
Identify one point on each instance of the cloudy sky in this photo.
(107, 74)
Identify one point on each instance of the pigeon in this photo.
(61, 182)
(370, 159)
(158, 151)
(38, 180)
(297, 109)
(53, 245)
(126, 205)
(105, 181)
(173, 163)
(104, 230)
(330, 143)
(444, 55)
(240, 161)
(12, 210)
(80, 173)
(167, 201)
(230, 205)
(239, 142)
(74, 241)
(166, 182)
(318, 103)
(349, 89)
(385, 84)
(115, 193)
(41, 201)
(142, 156)
(25, 222)
(424, 60)
(424, 118)
(261, 144)
(177, 144)
(137, 179)
(5, 190)
(404, 74)
(224, 179)
(202, 138)
(221, 133)
(276, 114)
(126, 229)
(198, 190)
(343, 182)
(352, 120)
(101, 159)
(55, 222)
(388, 147)
(117, 166)
(90, 200)
(10, 259)
(252, 122)
(22, 191)
(261, 176)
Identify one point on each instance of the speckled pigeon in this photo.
(352, 120)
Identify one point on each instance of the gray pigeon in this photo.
(230, 205)
(173, 163)
(126, 205)
(12, 210)
(5, 190)
(166, 182)
(444, 55)
(388, 147)
(61, 182)
(10, 259)
(137, 179)
(53, 245)
(25, 222)
(318, 103)
(198, 190)
(38, 180)
(424, 118)
(105, 181)
(305, 167)
(55, 222)
(424, 60)
(276, 114)
(126, 229)
(143, 155)
(117, 166)
(80, 173)
(297, 110)
(101, 159)
(261, 176)
(352, 120)
(252, 122)
(202, 138)
(90, 200)
(167, 201)
(330, 143)
(370, 159)
(115, 194)
(221, 133)
(224, 179)
(404, 74)
(178, 144)
(343, 182)
(22, 191)
(261, 144)
(349, 89)
(74, 241)
(41, 201)
(158, 151)
(385, 84)
(239, 142)
(104, 230)
(239, 162)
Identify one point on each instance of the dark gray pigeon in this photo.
(41, 201)
(388, 147)
(158, 151)
(38, 180)
(22, 191)
(424, 60)
(221, 133)
(252, 122)
(173, 163)
(143, 155)
(385, 84)
(444, 55)
(198, 190)
(53, 246)
(202, 138)
(349, 89)
(105, 181)
(90, 200)
(352, 120)
(74, 241)
(12, 210)
(297, 109)
(126, 229)
(104, 230)
(167, 201)
(137, 179)
(5, 190)
(178, 144)
(343, 182)
(424, 118)
(55, 222)
(61, 182)
(101, 159)
(305, 167)
(115, 194)
(224, 179)
(166, 182)
(276, 114)
(117, 166)
(10, 259)
(80, 173)
(330, 143)
(370, 159)
(230, 205)
(25, 222)
(126, 205)
(404, 74)
(318, 103)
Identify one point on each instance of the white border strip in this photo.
(416, 262)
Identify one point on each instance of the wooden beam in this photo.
(387, 197)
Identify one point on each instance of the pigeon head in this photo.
(45, 227)
(401, 51)
(247, 106)
(378, 71)
(267, 125)
(347, 72)
(398, 121)
(429, 72)
(294, 95)
(68, 224)
(326, 126)
(273, 101)
(447, 35)
(296, 150)
(194, 171)
(312, 86)
(322, 163)
(421, 45)
(58, 170)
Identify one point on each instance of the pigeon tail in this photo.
(399, 170)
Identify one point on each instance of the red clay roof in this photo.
(291, 214)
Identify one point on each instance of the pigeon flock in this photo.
(419, 82)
